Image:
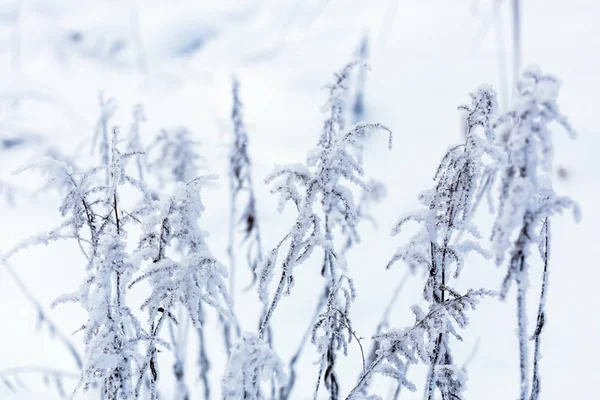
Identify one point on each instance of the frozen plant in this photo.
(242, 190)
(332, 331)
(527, 199)
(251, 360)
(112, 332)
(374, 193)
(179, 336)
(434, 248)
(174, 159)
(94, 216)
(101, 135)
(401, 347)
(178, 159)
(544, 248)
(196, 280)
(335, 159)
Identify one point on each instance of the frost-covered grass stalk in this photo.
(242, 190)
(193, 280)
(544, 248)
(435, 250)
(527, 199)
(336, 159)
(185, 275)
(251, 360)
(242, 197)
(374, 193)
(92, 216)
(178, 159)
(134, 142)
(179, 162)
(332, 330)
(101, 134)
(178, 334)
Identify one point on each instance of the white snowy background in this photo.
(426, 56)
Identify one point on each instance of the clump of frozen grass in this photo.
(184, 279)
(171, 256)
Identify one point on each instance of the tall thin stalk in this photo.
(527, 197)
(517, 42)
(541, 315)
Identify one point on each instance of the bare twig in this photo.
(362, 353)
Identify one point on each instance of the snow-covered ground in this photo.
(176, 58)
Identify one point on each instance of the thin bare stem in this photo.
(541, 315)
(362, 352)
(42, 315)
(286, 390)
